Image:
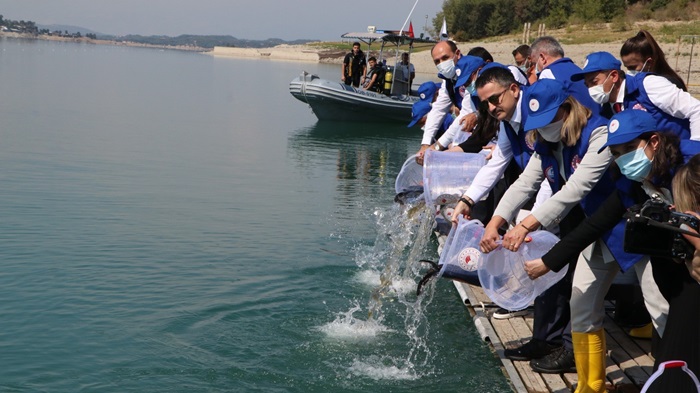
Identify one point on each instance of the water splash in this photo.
(391, 268)
(348, 328)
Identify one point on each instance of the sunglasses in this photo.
(496, 98)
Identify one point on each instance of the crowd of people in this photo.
(577, 148)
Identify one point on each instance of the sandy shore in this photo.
(500, 50)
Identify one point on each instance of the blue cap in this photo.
(597, 61)
(466, 65)
(543, 99)
(426, 92)
(628, 125)
(491, 65)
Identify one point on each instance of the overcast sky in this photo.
(252, 19)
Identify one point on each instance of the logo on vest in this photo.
(575, 160)
(640, 107)
(469, 258)
(462, 90)
(458, 72)
(614, 125)
(534, 105)
(529, 142)
(549, 173)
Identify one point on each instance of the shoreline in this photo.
(85, 40)
(500, 50)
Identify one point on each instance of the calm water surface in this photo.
(175, 222)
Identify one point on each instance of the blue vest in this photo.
(522, 151)
(636, 98)
(615, 237)
(562, 70)
(571, 157)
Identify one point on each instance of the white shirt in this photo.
(406, 70)
(674, 101)
(441, 107)
(454, 134)
(489, 175)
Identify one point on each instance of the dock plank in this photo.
(628, 364)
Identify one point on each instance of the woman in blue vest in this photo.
(566, 143)
(653, 86)
(647, 159)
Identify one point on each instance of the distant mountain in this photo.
(208, 41)
(202, 41)
(70, 29)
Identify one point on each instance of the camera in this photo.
(653, 228)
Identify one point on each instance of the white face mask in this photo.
(447, 69)
(552, 131)
(598, 94)
(635, 72)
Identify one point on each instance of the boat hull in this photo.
(331, 100)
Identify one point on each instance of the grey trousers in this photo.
(591, 282)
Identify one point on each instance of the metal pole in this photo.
(678, 50)
(692, 45)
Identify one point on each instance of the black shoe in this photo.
(533, 349)
(557, 362)
(502, 313)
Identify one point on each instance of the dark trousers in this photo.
(354, 80)
(552, 319)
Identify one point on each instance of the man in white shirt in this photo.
(445, 56)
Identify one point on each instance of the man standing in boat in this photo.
(354, 66)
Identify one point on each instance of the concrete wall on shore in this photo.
(295, 54)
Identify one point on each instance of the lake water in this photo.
(175, 222)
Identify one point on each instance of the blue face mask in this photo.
(472, 88)
(635, 165)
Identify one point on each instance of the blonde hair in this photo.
(686, 186)
(577, 118)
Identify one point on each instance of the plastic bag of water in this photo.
(461, 254)
(503, 277)
(447, 175)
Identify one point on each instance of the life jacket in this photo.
(378, 85)
(355, 62)
(562, 69)
(522, 150)
(636, 98)
(615, 237)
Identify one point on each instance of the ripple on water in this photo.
(377, 368)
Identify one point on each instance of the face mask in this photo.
(635, 165)
(598, 94)
(472, 88)
(523, 69)
(447, 69)
(635, 72)
(552, 131)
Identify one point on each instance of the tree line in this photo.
(473, 19)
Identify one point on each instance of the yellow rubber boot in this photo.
(589, 352)
(642, 332)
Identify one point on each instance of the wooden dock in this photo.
(629, 362)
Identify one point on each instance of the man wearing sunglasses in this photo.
(497, 88)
